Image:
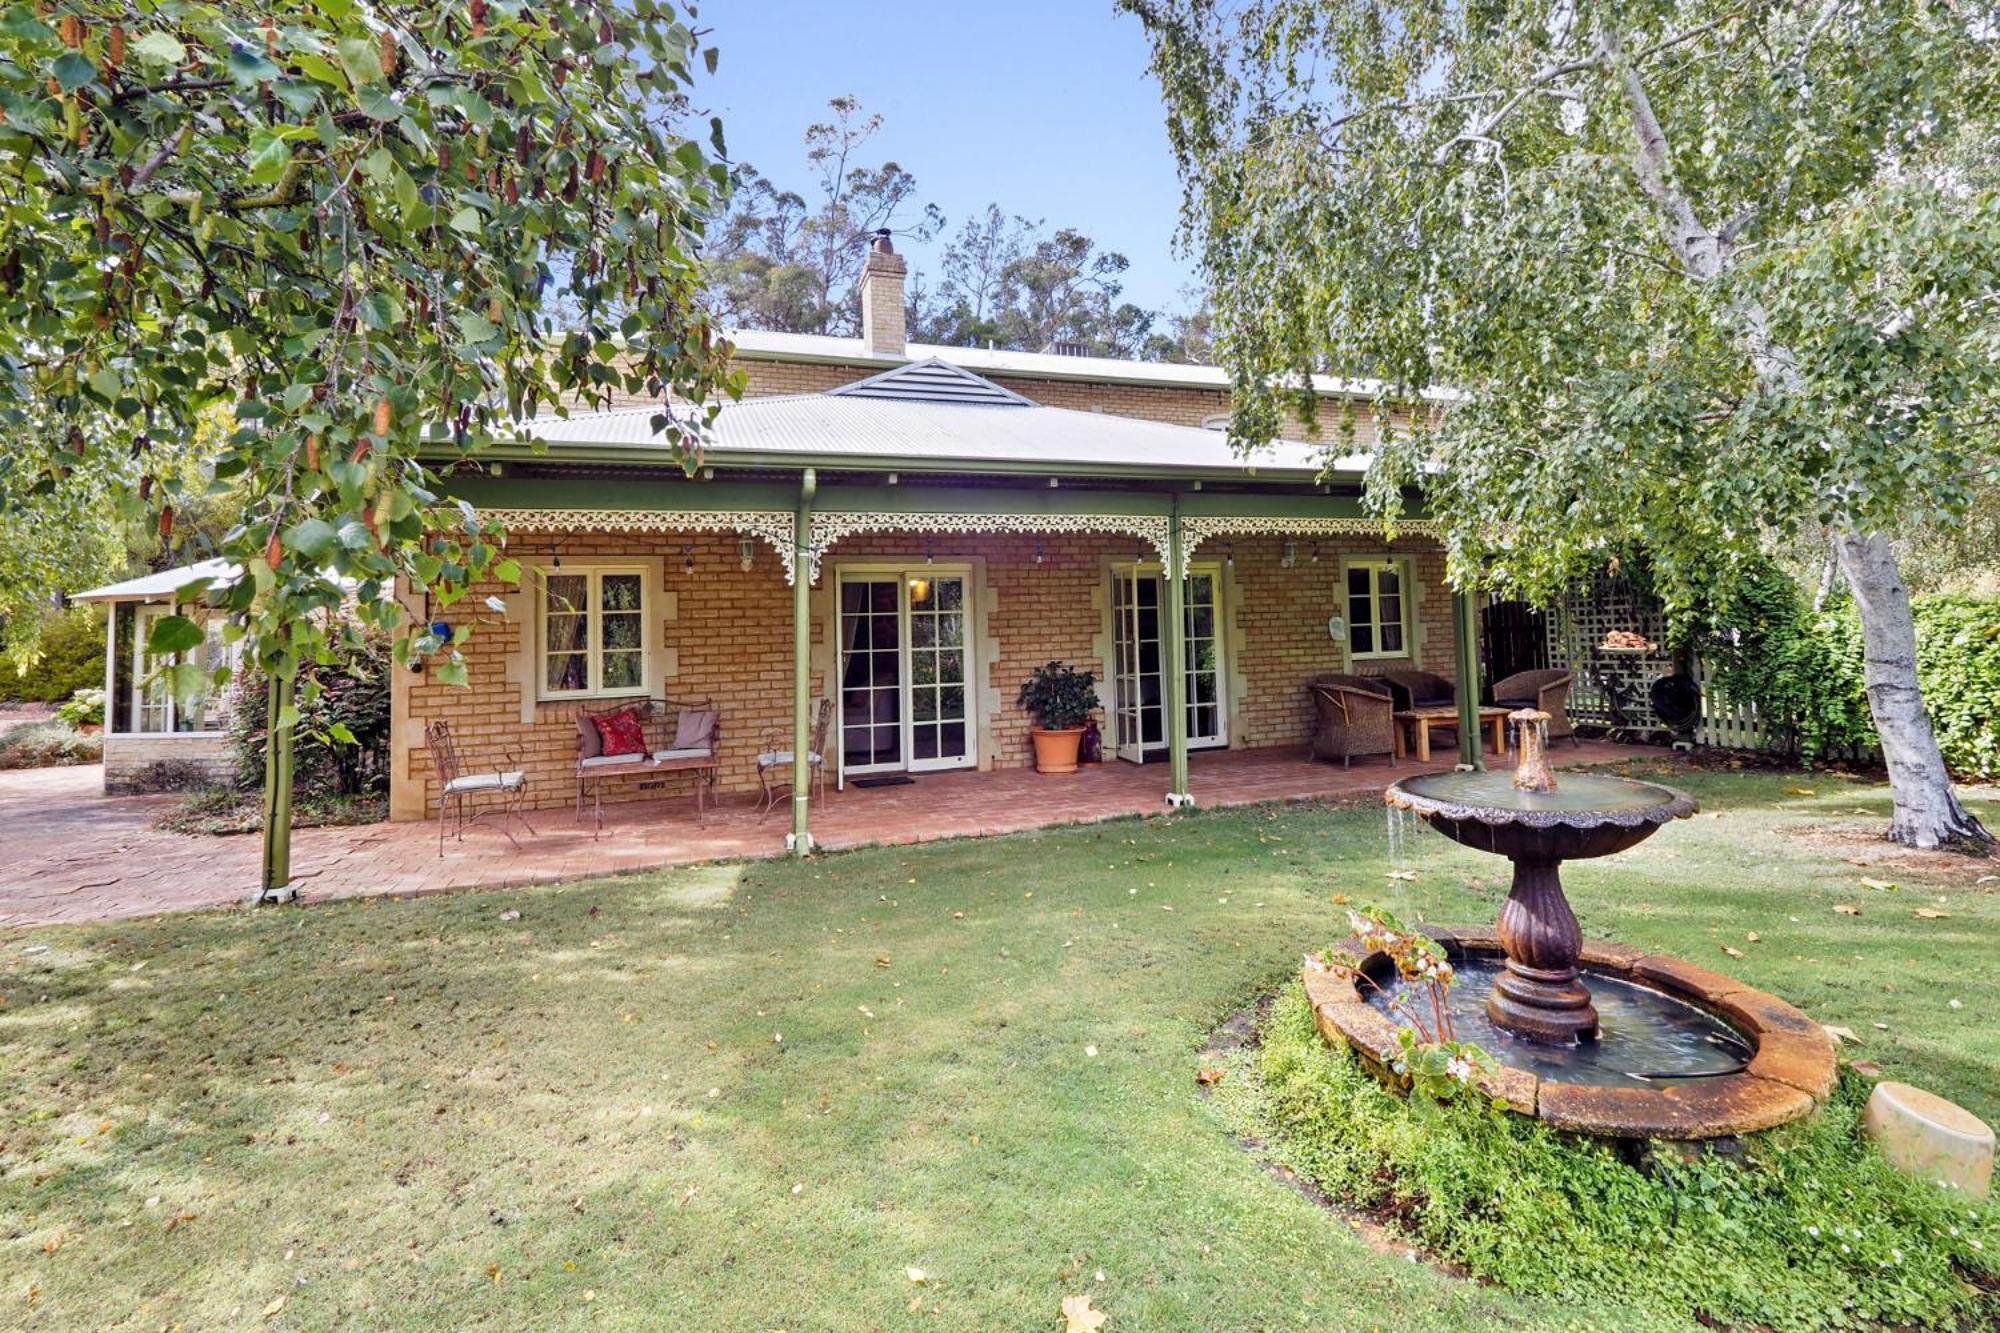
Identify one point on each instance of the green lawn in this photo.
(754, 1097)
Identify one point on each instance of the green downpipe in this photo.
(802, 665)
(1176, 664)
(1465, 638)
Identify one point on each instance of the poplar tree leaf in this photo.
(159, 48)
(72, 71)
(172, 634)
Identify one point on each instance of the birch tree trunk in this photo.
(1926, 812)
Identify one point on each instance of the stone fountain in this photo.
(1589, 1035)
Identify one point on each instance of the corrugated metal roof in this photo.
(933, 380)
(857, 428)
(162, 586)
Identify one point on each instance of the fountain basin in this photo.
(1783, 1070)
(1589, 815)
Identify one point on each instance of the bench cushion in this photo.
(611, 761)
(509, 781)
(681, 753)
(779, 758)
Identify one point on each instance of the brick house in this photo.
(910, 530)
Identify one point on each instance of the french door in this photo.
(905, 654)
(1139, 696)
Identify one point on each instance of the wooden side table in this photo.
(1419, 721)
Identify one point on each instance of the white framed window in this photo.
(592, 631)
(144, 703)
(1378, 609)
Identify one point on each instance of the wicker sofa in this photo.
(1353, 716)
(1547, 690)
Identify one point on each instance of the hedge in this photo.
(72, 659)
(1802, 670)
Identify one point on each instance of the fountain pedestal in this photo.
(1539, 994)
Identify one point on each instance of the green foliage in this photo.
(345, 229)
(52, 744)
(85, 708)
(1694, 273)
(342, 748)
(68, 655)
(1810, 1230)
(1802, 669)
(1058, 696)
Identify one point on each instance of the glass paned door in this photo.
(871, 676)
(1139, 668)
(940, 731)
(905, 699)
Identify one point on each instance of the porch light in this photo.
(1290, 556)
(746, 553)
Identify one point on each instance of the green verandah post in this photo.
(279, 728)
(801, 839)
(1465, 639)
(1175, 615)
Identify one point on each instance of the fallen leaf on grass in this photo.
(1208, 1075)
(1929, 914)
(1956, 1004)
(1867, 1068)
(1402, 874)
(279, 1303)
(1881, 884)
(1733, 951)
(1753, 937)
(1800, 791)
(1847, 909)
(1840, 1034)
(1078, 1317)
(915, 1275)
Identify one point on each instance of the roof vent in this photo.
(1065, 347)
(933, 381)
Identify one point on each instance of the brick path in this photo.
(72, 854)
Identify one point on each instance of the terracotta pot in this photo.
(1055, 751)
(90, 728)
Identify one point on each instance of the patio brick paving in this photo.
(73, 854)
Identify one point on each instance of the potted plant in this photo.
(1060, 699)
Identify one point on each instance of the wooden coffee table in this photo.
(1419, 721)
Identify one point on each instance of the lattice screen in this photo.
(1610, 687)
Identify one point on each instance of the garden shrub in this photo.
(85, 708)
(1802, 670)
(72, 658)
(50, 744)
(1809, 1229)
(352, 691)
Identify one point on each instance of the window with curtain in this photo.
(1377, 610)
(593, 632)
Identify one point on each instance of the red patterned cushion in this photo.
(621, 732)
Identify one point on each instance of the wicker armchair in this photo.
(1354, 715)
(1547, 690)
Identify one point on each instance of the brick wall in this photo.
(726, 635)
(155, 763)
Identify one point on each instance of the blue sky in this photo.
(1043, 106)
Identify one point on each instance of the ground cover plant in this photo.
(1808, 1229)
(758, 1096)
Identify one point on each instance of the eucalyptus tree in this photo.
(1689, 273)
(345, 221)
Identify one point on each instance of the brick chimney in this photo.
(882, 327)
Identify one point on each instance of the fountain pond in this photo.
(1590, 1036)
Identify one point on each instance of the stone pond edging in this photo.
(1790, 1075)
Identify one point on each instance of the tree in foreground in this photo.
(1696, 274)
(345, 223)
